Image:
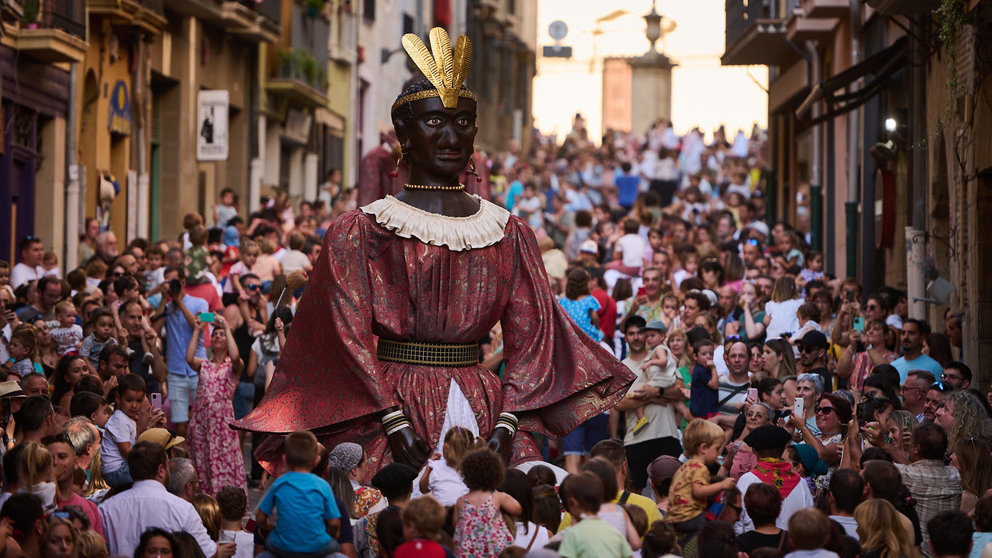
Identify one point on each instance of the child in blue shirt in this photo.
(705, 388)
(308, 518)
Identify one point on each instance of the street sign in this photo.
(557, 51)
(558, 30)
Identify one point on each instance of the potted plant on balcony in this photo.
(314, 7)
(31, 8)
(299, 63)
(285, 63)
(310, 69)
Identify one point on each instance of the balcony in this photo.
(300, 80)
(148, 15)
(903, 7)
(55, 32)
(755, 35)
(826, 8)
(800, 27)
(257, 21)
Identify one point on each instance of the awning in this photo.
(881, 65)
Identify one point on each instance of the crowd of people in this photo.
(776, 411)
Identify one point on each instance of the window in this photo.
(407, 24)
(368, 9)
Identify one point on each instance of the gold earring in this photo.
(396, 172)
(471, 169)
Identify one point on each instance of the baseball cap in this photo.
(656, 325)
(589, 247)
(663, 468)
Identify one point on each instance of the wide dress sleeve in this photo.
(332, 331)
(556, 376)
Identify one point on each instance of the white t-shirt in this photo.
(446, 482)
(120, 428)
(632, 247)
(21, 274)
(799, 498)
(661, 418)
(294, 260)
(783, 317)
(530, 535)
(244, 543)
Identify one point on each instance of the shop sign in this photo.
(119, 119)
(211, 141)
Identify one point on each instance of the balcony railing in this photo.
(271, 9)
(157, 6)
(67, 15)
(743, 15)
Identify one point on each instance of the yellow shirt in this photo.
(646, 504)
(681, 504)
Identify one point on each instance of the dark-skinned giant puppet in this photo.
(384, 348)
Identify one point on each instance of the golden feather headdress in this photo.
(445, 70)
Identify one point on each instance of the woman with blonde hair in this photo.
(879, 529)
(60, 539)
(963, 416)
(973, 459)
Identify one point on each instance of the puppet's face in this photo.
(437, 141)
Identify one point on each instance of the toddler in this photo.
(423, 519)
(36, 474)
(233, 502)
(68, 337)
(479, 527)
(23, 351)
(689, 258)
(92, 406)
(814, 267)
(705, 387)
(442, 478)
(227, 209)
(629, 251)
(691, 486)
(660, 371)
(669, 310)
(808, 315)
(197, 260)
(308, 519)
(591, 537)
(247, 257)
(5, 278)
(121, 430)
(50, 263)
(103, 335)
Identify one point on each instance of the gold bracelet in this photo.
(432, 187)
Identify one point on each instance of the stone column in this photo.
(651, 90)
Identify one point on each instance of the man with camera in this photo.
(178, 311)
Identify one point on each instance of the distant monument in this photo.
(652, 77)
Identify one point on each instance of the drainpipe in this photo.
(916, 235)
(815, 184)
(140, 95)
(853, 127)
(72, 202)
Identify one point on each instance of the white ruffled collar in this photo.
(484, 228)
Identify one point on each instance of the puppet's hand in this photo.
(406, 445)
(501, 440)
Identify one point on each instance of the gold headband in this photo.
(445, 70)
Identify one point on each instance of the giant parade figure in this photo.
(384, 349)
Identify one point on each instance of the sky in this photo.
(704, 93)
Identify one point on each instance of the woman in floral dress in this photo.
(213, 446)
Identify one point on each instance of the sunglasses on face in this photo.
(824, 410)
(253, 287)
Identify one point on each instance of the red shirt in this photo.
(89, 508)
(607, 314)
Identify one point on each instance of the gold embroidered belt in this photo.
(428, 354)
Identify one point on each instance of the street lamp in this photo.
(653, 31)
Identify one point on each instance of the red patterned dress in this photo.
(377, 278)
(213, 446)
